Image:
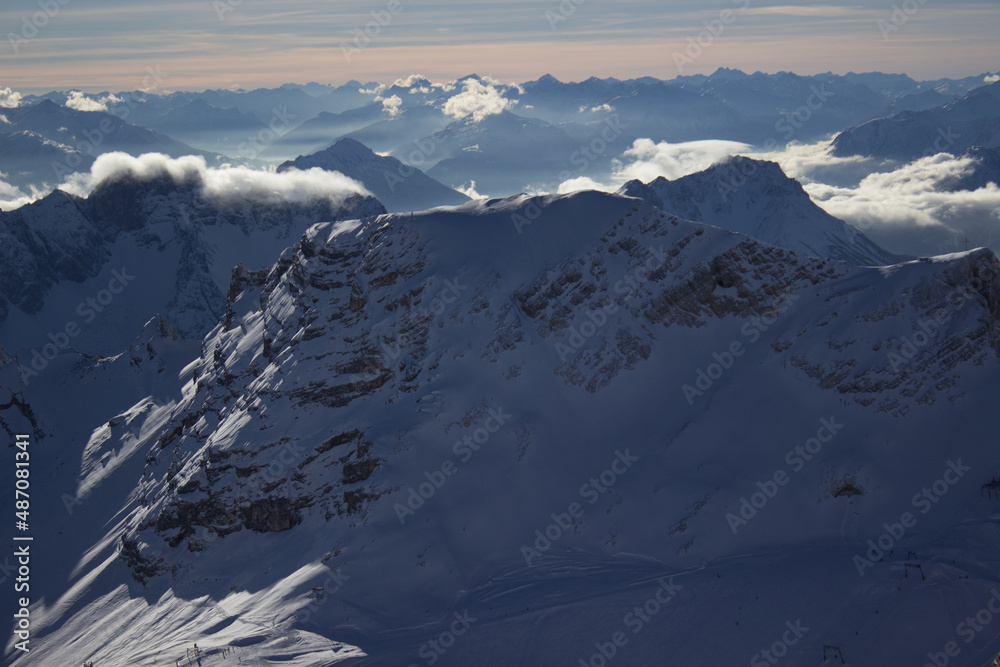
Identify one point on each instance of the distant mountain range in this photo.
(45, 142)
(504, 154)
(973, 120)
(728, 104)
(398, 186)
(179, 245)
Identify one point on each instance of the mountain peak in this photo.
(396, 186)
(756, 198)
(349, 146)
(47, 105)
(728, 73)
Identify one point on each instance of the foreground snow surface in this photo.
(397, 451)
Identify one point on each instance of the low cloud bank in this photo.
(478, 100)
(218, 182)
(77, 100)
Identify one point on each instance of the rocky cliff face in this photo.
(356, 314)
(169, 232)
(407, 398)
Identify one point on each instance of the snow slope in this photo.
(80, 136)
(137, 247)
(398, 186)
(584, 366)
(756, 198)
(954, 127)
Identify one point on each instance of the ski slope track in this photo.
(534, 431)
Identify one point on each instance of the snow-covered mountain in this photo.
(136, 247)
(503, 153)
(399, 187)
(972, 120)
(735, 105)
(27, 158)
(756, 198)
(200, 116)
(205, 126)
(409, 124)
(546, 430)
(317, 133)
(297, 103)
(77, 138)
(985, 170)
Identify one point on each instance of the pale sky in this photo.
(97, 45)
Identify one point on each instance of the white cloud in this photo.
(901, 206)
(992, 78)
(795, 10)
(9, 98)
(412, 81)
(478, 100)
(220, 182)
(814, 162)
(81, 102)
(3, 119)
(603, 107)
(12, 197)
(907, 211)
(647, 160)
(470, 191)
(392, 105)
(584, 183)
